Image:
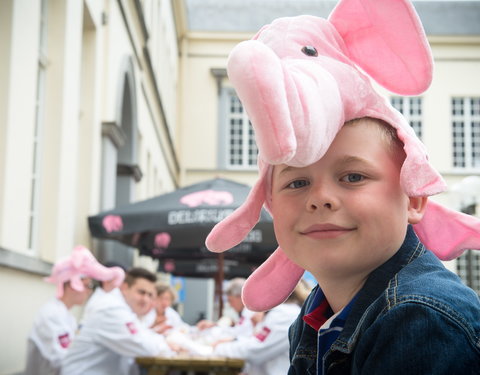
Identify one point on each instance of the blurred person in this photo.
(266, 350)
(99, 292)
(112, 334)
(54, 326)
(243, 326)
(162, 317)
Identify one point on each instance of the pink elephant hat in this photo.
(300, 79)
(82, 263)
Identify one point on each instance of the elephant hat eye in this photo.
(310, 51)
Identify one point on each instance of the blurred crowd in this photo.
(128, 314)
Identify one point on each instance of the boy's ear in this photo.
(416, 209)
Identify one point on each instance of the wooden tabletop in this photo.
(211, 365)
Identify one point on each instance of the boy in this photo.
(347, 182)
(389, 302)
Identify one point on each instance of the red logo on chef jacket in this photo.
(132, 328)
(262, 335)
(64, 340)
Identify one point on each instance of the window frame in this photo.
(468, 269)
(248, 162)
(37, 144)
(465, 144)
(406, 106)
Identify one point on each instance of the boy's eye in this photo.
(297, 184)
(352, 178)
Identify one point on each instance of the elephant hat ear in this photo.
(387, 40)
(271, 283)
(234, 228)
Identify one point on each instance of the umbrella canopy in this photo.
(174, 227)
(208, 268)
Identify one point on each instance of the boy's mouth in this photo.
(323, 231)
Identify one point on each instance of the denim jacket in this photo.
(412, 316)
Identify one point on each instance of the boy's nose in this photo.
(321, 197)
(313, 206)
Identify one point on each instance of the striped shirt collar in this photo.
(320, 315)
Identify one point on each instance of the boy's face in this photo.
(346, 214)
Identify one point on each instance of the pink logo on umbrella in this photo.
(112, 223)
(169, 266)
(209, 197)
(162, 240)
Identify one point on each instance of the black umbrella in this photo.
(174, 227)
(208, 267)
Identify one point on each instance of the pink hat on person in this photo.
(300, 79)
(82, 263)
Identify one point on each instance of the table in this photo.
(192, 365)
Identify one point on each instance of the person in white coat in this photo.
(53, 329)
(266, 351)
(99, 293)
(162, 318)
(242, 326)
(112, 334)
(54, 326)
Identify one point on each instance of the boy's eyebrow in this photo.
(286, 168)
(348, 159)
(353, 159)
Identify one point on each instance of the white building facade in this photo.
(106, 102)
(87, 122)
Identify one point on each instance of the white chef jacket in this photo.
(52, 332)
(266, 352)
(244, 326)
(173, 319)
(95, 300)
(110, 337)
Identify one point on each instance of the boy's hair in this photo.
(388, 133)
(139, 273)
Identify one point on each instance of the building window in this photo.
(39, 119)
(468, 268)
(241, 152)
(411, 109)
(466, 132)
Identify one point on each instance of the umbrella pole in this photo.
(219, 284)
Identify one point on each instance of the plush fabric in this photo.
(82, 263)
(300, 79)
